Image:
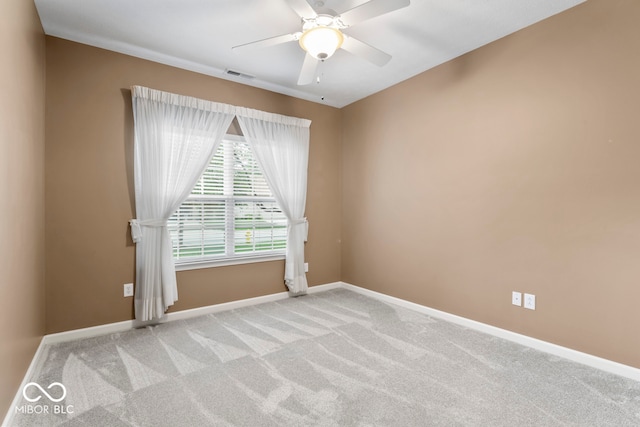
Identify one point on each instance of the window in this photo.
(230, 216)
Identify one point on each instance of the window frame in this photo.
(184, 264)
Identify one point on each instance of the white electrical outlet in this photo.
(306, 267)
(128, 289)
(516, 298)
(530, 301)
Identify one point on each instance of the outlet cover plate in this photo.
(530, 301)
(128, 289)
(516, 298)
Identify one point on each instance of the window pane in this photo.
(247, 176)
(198, 229)
(259, 226)
(211, 181)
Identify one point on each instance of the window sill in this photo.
(210, 263)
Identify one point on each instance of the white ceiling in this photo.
(198, 35)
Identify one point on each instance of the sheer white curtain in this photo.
(174, 139)
(281, 145)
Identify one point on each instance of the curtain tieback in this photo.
(136, 224)
(301, 221)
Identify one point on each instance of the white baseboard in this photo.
(547, 347)
(178, 315)
(557, 350)
(554, 349)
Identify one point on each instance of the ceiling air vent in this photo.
(235, 73)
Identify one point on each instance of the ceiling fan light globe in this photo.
(321, 42)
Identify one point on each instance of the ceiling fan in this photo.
(322, 34)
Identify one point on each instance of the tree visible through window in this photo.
(230, 213)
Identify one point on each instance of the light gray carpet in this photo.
(334, 358)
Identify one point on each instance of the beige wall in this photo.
(22, 78)
(89, 187)
(514, 167)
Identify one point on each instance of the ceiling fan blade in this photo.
(302, 8)
(308, 71)
(363, 50)
(371, 9)
(271, 41)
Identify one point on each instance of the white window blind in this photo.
(230, 214)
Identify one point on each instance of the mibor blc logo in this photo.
(54, 393)
(42, 391)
